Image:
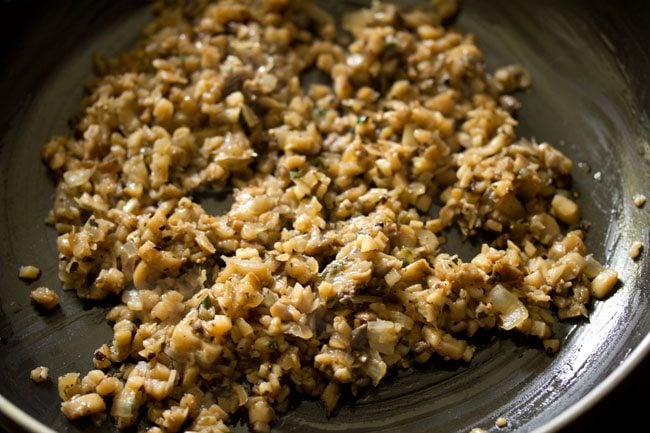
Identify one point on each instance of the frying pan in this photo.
(590, 62)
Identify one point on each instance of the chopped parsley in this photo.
(295, 174)
(318, 112)
(205, 303)
(332, 268)
(407, 256)
(391, 46)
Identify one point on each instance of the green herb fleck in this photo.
(205, 303)
(391, 46)
(295, 174)
(272, 344)
(318, 163)
(332, 268)
(363, 119)
(406, 256)
(318, 113)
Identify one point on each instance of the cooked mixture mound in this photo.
(350, 156)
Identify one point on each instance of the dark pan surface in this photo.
(590, 63)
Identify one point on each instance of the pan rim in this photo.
(30, 424)
(21, 418)
(611, 381)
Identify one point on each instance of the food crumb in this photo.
(45, 297)
(598, 176)
(39, 374)
(501, 422)
(477, 430)
(604, 283)
(551, 345)
(29, 273)
(639, 200)
(635, 250)
(584, 166)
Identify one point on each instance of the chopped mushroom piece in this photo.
(604, 283)
(39, 374)
(552, 345)
(69, 385)
(83, 405)
(565, 209)
(29, 273)
(636, 249)
(639, 200)
(45, 297)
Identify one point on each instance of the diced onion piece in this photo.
(604, 283)
(383, 335)
(132, 299)
(74, 178)
(593, 267)
(375, 367)
(83, 405)
(125, 404)
(511, 310)
(299, 330)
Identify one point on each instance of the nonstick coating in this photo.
(591, 68)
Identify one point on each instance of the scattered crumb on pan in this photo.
(639, 200)
(45, 297)
(636, 250)
(29, 273)
(39, 374)
(551, 345)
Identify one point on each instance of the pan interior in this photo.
(584, 100)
